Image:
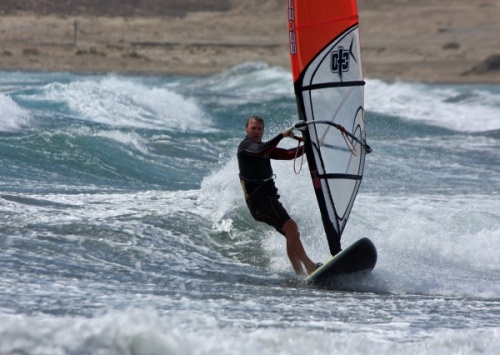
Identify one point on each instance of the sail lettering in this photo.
(291, 27)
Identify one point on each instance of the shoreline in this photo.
(438, 43)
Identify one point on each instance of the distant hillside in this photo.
(111, 7)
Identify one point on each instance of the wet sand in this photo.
(446, 41)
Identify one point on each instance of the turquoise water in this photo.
(123, 228)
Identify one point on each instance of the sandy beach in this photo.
(446, 41)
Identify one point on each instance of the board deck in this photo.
(360, 256)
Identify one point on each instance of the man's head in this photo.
(255, 128)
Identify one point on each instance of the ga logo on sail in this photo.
(340, 60)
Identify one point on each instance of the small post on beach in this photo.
(75, 37)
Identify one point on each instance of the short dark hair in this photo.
(255, 118)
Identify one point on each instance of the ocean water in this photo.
(123, 228)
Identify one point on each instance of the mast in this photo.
(329, 88)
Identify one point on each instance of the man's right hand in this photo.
(289, 132)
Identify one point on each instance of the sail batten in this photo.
(333, 85)
(329, 88)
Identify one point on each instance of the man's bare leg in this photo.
(293, 242)
(296, 263)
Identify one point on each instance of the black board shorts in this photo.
(268, 209)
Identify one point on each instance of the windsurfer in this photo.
(261, 194)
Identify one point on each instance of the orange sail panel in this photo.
(329, 88)
(313, 24)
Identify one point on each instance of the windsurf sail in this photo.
(329, 87)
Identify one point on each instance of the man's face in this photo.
(255, 130)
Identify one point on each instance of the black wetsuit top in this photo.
(254, 161)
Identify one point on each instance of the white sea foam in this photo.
(118, 101)
(12, 116)
(252, 82)
(149, 333)
(118, 250)
(129, 138)
(461, 108)
(466, 109)
(98, 207)
(427, 244)
(444, 245)
(222, 192)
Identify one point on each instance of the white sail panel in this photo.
(331, 93)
